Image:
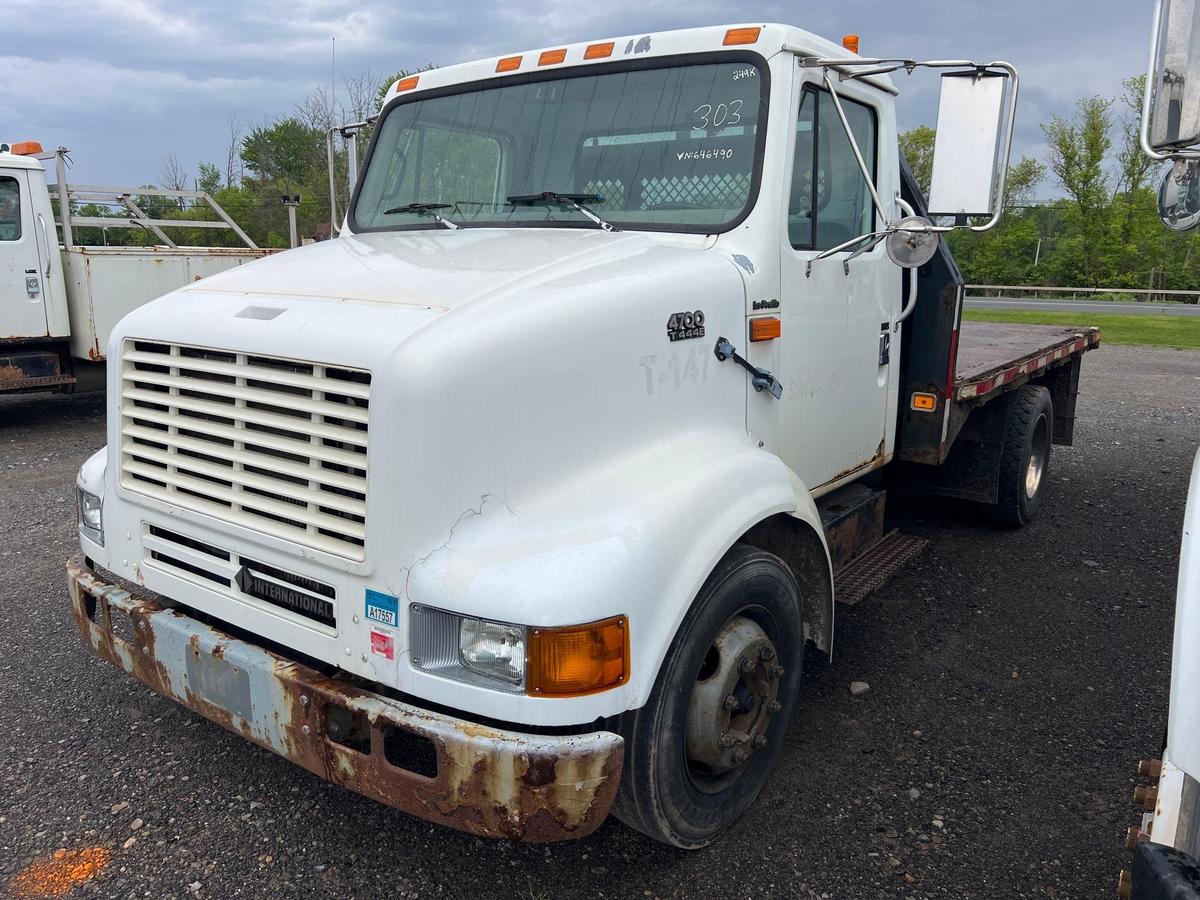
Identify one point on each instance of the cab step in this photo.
(875, 568)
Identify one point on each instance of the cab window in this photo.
(10, 209)
(830, 201)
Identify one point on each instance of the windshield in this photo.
(672, 148)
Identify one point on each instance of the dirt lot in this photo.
(1015, 679)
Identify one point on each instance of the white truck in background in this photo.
(519, 501)
(60, 299)
(1166, 844)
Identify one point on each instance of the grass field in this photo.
(1182, 333)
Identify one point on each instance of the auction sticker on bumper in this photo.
(382, 608)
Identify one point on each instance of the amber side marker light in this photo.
(407, 84)
(736, 36)
(552, 57)
(850, 42)
(599, 51)
(924, 402)
(508, 64)
(579, 659)
(765, 329)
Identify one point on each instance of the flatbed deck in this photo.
(993, 354)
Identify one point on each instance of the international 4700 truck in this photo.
(520, 502)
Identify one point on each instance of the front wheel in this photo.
(699, 752)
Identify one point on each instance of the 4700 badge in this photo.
(684, 326)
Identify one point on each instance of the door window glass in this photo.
(10, 209)
(830, 201)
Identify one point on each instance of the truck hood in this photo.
(442, 270)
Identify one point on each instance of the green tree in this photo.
(1078, 148)
(210, 179)
(917, 146)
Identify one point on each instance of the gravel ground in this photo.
(1015, 679)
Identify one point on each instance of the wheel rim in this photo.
(732, 703)
(1039, 451)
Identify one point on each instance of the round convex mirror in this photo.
(1179, 196)
(911, 243)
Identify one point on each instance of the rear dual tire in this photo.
(1024, 456)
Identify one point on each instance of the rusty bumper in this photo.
(482, 780)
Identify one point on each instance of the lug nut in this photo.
(1146, 797)
(1150, 768)
(760, 741)
(727, 740)
(740, 756)
(774, 706)
(731, 702)
(776, 671)
(766, 653)
(747, 665)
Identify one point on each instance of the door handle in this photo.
(49, 246)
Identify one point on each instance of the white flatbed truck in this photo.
(517, 504)
(59, 299)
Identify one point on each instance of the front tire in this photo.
(700, 751)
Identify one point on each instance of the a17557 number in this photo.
(684, 326)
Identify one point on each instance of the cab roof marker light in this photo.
(407, 84)
(736, 36)
(552, 57)
(509, 64)
(599, 51)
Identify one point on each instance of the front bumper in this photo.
(482, 780)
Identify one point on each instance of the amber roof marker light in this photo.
(599, 51)
(737, 36)
(552, 57)
(509, 64)
(407, 84)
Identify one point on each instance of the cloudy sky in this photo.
(123, 83)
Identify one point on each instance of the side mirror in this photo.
(1179, 196)
(1174, 117)
(968, 154)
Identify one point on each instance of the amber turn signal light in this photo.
(578, 659)
(765, 329)
(736, 36)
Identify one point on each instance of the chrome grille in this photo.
(272, 444)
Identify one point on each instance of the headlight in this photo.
(91, 516)
(546, 662)
(492, 649)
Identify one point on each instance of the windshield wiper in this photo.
(424, 209)
(575, 201)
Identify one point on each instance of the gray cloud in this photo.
(125, 82)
